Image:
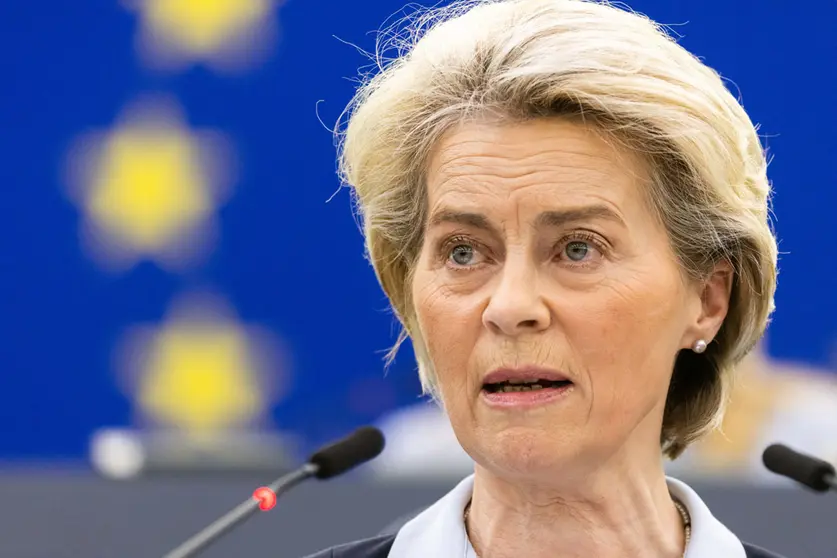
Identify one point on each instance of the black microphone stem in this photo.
(238, 514)
(364, 444)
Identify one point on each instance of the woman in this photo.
(569, 214)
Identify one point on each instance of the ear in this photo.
(714, 292)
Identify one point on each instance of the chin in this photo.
(530, 452)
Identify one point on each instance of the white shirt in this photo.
(439, 531)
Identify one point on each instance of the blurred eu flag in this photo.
(166, 221)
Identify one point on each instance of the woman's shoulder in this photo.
(757, 552)
(377, 547)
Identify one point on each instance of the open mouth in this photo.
(524, 385)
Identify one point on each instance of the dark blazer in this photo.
(378, 547)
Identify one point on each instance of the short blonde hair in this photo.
(622, 73)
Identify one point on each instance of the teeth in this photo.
(532, 387)
(522, 381)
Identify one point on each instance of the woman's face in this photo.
(542, 261)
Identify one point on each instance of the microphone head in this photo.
(810, 471)
(363, 444)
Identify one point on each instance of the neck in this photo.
(614, 512)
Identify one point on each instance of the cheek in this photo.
(448, 327)
(626, 335)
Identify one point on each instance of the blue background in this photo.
(286, 258)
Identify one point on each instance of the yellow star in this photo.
(148, 188)
(201, 373)
(213, 31)
(200, 378)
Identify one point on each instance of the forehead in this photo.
(548, 161)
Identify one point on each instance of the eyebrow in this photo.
(473, 220)
(558, 218)
(574, 215)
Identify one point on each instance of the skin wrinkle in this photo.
(591, 463)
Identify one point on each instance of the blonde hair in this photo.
(619, 71)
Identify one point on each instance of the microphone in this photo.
(362, 445)
(816, 474)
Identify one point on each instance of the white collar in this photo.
(439, 531)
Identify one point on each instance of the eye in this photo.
(462, 254)
(581, 249)
(577, 250)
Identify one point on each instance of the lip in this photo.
(524, 373)
(520, 400)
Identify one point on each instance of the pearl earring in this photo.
(699, 346)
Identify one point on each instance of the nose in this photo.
(516, 305)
